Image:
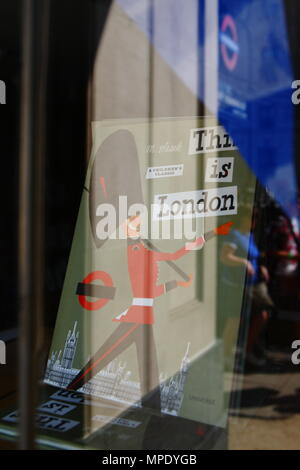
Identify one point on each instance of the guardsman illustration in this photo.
(134, 325)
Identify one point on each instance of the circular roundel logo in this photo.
(103, 293)
(229, 42)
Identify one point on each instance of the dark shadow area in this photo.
(74, 39)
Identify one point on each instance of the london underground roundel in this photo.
(229, 42)
(105, 292)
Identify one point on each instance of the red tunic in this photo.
(143, 272)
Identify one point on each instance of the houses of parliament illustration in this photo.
(114, 382)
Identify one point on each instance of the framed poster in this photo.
(137, 323)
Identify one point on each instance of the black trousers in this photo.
(122, 337)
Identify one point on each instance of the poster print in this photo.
(138, 314)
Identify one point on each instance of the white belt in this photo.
(142, 302)
(137, 301)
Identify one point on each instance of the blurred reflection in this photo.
(267, 389)
(283, 257)
(240, 253)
